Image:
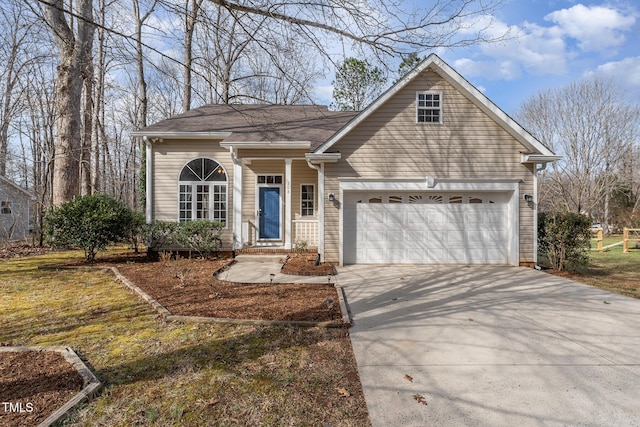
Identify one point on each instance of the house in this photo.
(14, 210)
(431, 172)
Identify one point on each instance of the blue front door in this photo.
(269, 205)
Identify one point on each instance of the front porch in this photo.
(304, 232)
(276, 202)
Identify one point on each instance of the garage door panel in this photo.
(456, 237)
(435, 232)
(435, 218)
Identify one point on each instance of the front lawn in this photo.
(162, 374)
(612, 269)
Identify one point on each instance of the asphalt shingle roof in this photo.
(260, 123)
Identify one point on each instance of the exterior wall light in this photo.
(528, 198)
(332, 197)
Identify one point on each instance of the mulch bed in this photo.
(19, 251)
(33, 385)
(304, 265)
(198, 293)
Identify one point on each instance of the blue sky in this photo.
(558, 42)
(553, 43)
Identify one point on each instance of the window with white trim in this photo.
(202, 191)
(429, 107)
(307, 200)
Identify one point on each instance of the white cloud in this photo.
(625, 73)
(596, 28)
(529, 48)
(323, 94)
(541, 50)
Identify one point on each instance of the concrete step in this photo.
(277, 258)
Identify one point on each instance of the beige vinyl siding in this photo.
(169, 157)
(390, 144)
(526, 219)
(303, 174)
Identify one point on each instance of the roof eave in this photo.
(267, 144)
(29, 194)
(323, 157)
(539, 158)
(180, 135)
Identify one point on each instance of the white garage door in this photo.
(426, 228)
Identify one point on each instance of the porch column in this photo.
(321, 211)
(237, 202)
(287, 203)
(148, 181)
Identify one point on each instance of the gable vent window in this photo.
(5, 208)
(429, 107)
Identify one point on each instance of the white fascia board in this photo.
(323, 157)
(181, 135)
(539, 158)
(438, 184)
(267, 144)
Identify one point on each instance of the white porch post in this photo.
(287, 193)
(148, 180)
(237, 201)
(321, 211)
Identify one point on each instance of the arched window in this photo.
(203, 191)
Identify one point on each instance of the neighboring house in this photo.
(431, 172)
(14, 210)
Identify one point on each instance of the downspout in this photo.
(320, 170)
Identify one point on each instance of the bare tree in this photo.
(74, 44)
(192, 10)
(593, 128)
(15, 29)
(385, 26)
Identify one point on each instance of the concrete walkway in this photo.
(251, 271)
(496, 346)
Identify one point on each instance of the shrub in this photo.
(300, 246)
(136, 229)
(158, 235)
(564, 239)
(201, 236)
(90, 222)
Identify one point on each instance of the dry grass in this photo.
(161, 374)
(612, 270)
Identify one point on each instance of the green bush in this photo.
(89, 222)
(564, 239)
(201, 236)
(158, 235)
(136, 230)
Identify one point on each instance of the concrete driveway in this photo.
(492, 346)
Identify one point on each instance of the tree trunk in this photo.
(67, 149)
(98, 107)
(74, 51)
